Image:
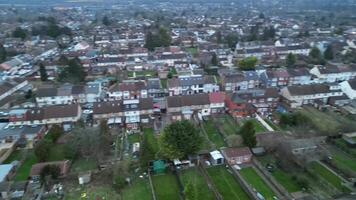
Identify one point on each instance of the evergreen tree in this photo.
(19, 33)
(315, 53)
(3, 53)
(74, 72)
(28, 94)
(247, 132)
(291, 60)
(180, 139)
(106, 21)
(43, 72)
(329, 53)
(316, 56)
(214, 60)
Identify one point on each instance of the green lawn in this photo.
(328, 121)
(193, 51)
(23, 171)
(82, 165)
(228, 125)
(327, 175)
(91, 193)
(213, 134)
(272, 125)
(282, 177)
(145, 73)
(57, 153)
(166, 187)
(251, 176)
(258, 126)
(226, 184)
(164, 83)
(139, 189)
(200, 187)
(285, 179)
(151, 138)
(343, 160)
(15, 155)
(133, 138)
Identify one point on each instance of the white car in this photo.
(87, 111)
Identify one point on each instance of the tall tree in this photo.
(43, 72)
(106, 21)
(247, 132)
(42, 149)
(315, 53)
(159, 38)
(105, 136)
(329, 53)
(214, 60)
(74, 72)
(180, 139)
(291, 60)
(164, 37)
(248, 63)
(3, 53)
(19, 33)
(316, 57)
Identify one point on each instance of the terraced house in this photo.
(192, 84)
(129, 113)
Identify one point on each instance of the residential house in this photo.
(69, 94)
(248, 102)
(349, 88)
(299, 76)
(234, 82)
(217, 102)
(129, 112)
(297, 96)
(239, 107)
(237, 156)
(55, 114)
(192, 84)
(128, 90)
(183, 107)
(333, 73)
(275, 78)
(9, 87)
(16, 133)
(154, 88)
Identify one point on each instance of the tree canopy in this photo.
(248, 63)
(106, 21)
(291, 60)
(159, 38)
(43, 72)
(247, 132)
(3, 53)
(74, 72)
(316, 56)
(329, 53)
(42, 149)
(19, 33)
(180, 139)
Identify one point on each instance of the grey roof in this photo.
(46, 92)
(92, 88)
(353, 84)
(308, 89)
(153, 83)
(188, 100)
